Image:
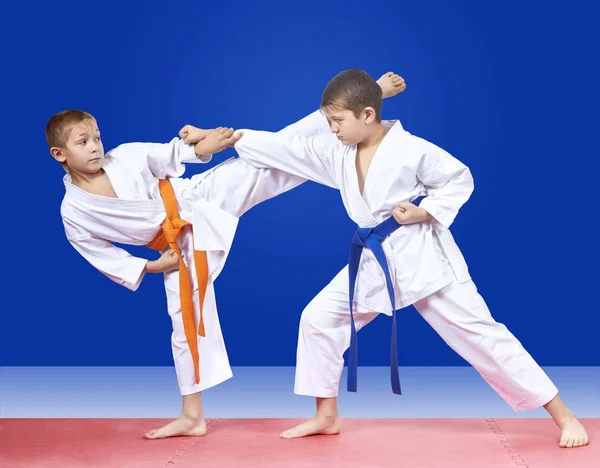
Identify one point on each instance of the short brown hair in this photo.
(60, 124)
(354, 90)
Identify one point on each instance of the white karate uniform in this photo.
(426, 266)
(212, 201)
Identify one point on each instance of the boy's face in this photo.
(83, 152)
(349, 129)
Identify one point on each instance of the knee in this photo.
(312, 320)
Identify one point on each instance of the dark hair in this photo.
(354, 90)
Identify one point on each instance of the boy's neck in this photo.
(376, 136)
(85, 180)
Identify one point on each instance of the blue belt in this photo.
(372, 238)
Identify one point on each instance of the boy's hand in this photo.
(407, 213)
(192, 135)
(216, 140)
(168, 261)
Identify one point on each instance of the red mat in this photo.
(364, 443)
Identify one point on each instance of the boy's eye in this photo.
(82, 142)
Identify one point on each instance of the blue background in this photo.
(510, 88)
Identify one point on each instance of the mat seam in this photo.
(187, 445)
(506, 443)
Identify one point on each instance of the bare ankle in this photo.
(327, 409)
(559, 411)
(565, 419)
(192, 417)
(192, 408)
(327, 416)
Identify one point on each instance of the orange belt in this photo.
(171, 230)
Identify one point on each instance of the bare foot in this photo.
(573, 434)
(391, 84)
(317, 425)
(182, 426)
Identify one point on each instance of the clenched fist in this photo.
(216, 140)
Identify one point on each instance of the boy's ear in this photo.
(369, 115)
(58, 154)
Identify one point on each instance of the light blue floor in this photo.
(267, 392)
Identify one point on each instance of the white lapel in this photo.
(361, 210)
(100, 201)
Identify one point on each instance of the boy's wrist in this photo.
(151, 266)
(201, 151)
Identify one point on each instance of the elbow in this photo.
(468, 181)
(471, 183)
